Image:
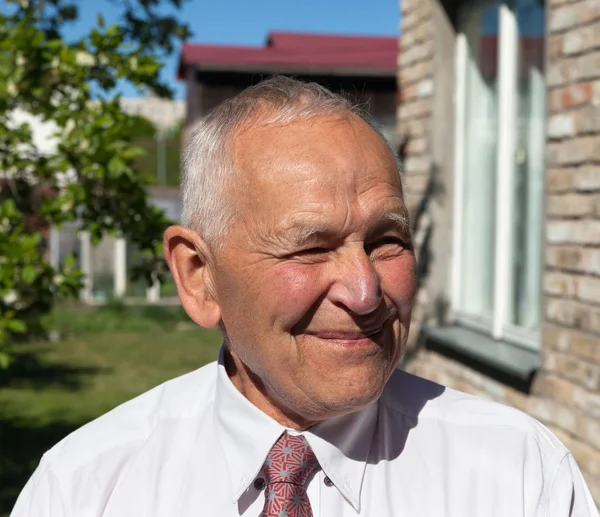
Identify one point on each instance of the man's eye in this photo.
(390, 243)
(390, 240)
(315, 254)
(312, 251)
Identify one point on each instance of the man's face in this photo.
(316, 279)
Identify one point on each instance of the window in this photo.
(500, 139)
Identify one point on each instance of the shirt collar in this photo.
(340, 444)
(246, 433)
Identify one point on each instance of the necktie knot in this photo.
(291, 460)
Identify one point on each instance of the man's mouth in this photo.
(346, 335)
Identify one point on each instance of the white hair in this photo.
(208, 161)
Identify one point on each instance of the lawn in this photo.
(104, 357)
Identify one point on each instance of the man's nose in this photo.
(356, 285)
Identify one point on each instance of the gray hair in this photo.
(208, 165)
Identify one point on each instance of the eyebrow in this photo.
(304, 233)
(394, 221)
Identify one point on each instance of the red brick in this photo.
(576, 95)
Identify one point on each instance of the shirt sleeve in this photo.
(40, 497)
(569, 495)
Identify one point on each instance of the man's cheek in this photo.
(297, 288)
(398, 279)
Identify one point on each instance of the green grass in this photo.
(105, 356)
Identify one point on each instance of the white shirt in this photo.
(193, 446)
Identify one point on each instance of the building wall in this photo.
(164, 113)
(201, 98)
(565, 394)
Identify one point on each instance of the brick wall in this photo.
(570, 376)
(566, 391)
(416, 87)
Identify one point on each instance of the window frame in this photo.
(497, 327)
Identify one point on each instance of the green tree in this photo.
(90, 175)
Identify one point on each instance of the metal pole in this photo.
(86, 265)
(162, 156)
(54, 246)
(120, 267)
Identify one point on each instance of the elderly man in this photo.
(296, 243)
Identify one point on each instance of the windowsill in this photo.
(504, 361)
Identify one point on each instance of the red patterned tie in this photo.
(285, 471)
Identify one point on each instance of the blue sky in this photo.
(247, 22)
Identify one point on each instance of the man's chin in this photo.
(349, 403)
(357, 386)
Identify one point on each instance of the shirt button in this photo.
(259, 484)
(328, 481)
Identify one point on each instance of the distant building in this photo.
(364, 67)
(500, 109)
(163, 113)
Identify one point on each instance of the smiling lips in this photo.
(354, 336)
(346, 335)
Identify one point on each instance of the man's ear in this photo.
(188, 257)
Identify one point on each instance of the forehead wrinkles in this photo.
(329, 139)
(341, 157)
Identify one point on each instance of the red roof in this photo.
(297, 52)
(299, 40)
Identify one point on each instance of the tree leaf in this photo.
(16, 326)
(29, 274)
(5, 360)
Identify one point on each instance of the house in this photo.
(362, 66)
(500, 112)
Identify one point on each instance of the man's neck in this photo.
(251, 387)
